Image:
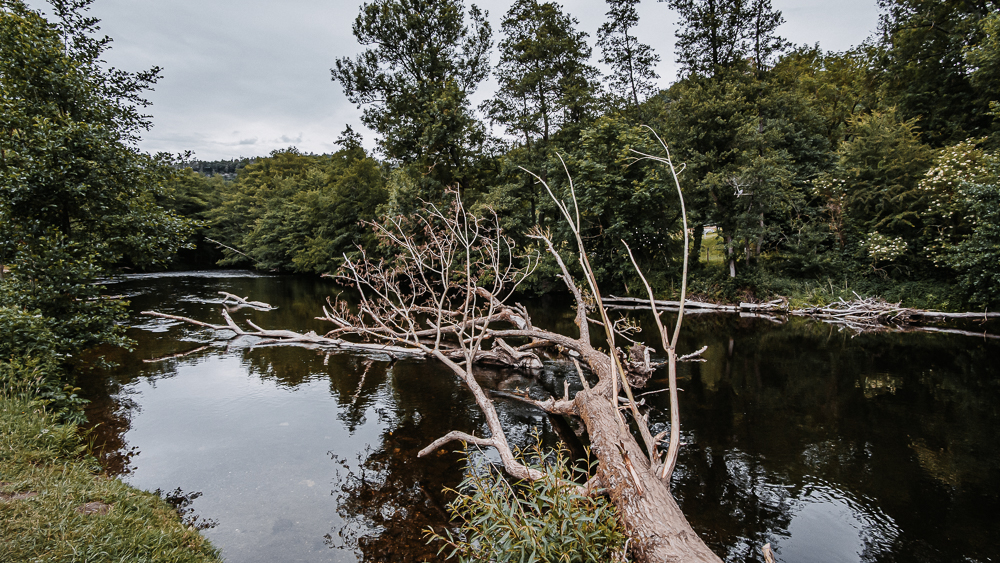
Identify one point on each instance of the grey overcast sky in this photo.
(245, 77)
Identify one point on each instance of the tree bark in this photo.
(651, 516)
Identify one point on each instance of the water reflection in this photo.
(830, 447)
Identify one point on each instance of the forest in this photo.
(809, 174)
(792, 172)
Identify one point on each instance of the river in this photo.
(831, 446)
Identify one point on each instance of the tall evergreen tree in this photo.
(414, 82)
(633, 63)
(718, 34)
(544, 76)
(762, 40)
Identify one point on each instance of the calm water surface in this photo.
(832, 448)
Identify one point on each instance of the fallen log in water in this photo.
(291, 337)
(242, 302)
(861, 315)
(501, 354)
(776, 306)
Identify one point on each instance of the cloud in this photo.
(263, 67)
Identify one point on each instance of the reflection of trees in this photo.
(388, 495)
(906, 420)
(109, 413)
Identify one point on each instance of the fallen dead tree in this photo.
(873, 314)
(448, 284)
(500, 355)
(445, 293)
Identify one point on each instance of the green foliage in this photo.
(542, 521)
(415, 82)
(301, 213)
(545, 80)
(30, 364)
(77, 198)
(632, 63)
(748, 148)
(880, 167)
(941, 65)
(622, 198)
(715, 35)
(809, 164)
(836, 87)
(962, 218)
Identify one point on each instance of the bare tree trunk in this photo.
(699, 233)
(730, 256)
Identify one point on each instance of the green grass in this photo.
(713, 249)
(39, 455)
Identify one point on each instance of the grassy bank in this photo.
(56, 506)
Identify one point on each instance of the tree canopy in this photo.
(415, 79)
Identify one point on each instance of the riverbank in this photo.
(56, 506)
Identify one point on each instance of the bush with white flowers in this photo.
(883, 248)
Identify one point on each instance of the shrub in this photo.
(546, 520)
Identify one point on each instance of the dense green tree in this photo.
(959, 211)
(927, 74)
(984, 60)
(546, 90)
(544, 78)
(633, 64)
(837, 87)
(195, 196)
(873, 192)
(301, 213)
(77, 198)
(718, 34)
(977, 257)
(414, 83)
(749, 146)
(621, 199)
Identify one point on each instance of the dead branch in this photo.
(873, 314)
(178, 355)
(231, 249)
(550, 405)
(860, 315)
(242, 302)
(694, 356)
(291, 337)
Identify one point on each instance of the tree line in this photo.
(877, 165)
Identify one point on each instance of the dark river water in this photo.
(830, 446)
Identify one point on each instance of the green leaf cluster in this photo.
(548, 520)
(301, 213)
(78, 200)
